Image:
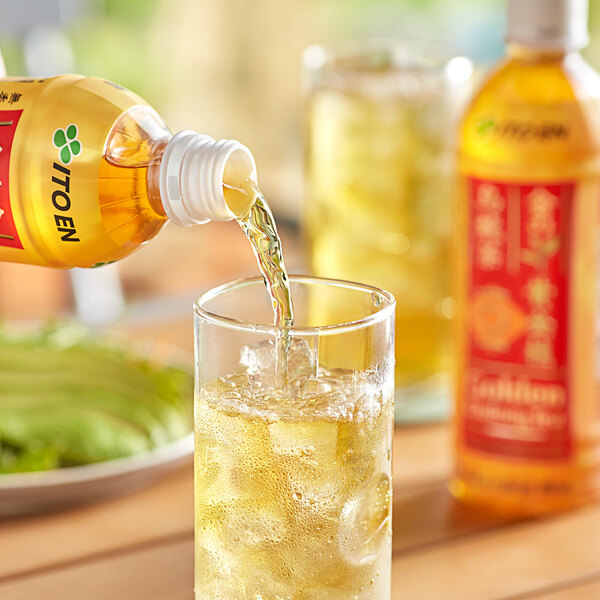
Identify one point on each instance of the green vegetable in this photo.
(68, 398)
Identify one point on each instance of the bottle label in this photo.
(51, 213)
(517, 380)
(9, 236)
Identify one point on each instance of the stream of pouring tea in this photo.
(256, 220)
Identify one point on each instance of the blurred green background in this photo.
(231, 68)
(227, 68)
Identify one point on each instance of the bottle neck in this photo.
(153, 178)
(186, 177)
(552, 25)
(535, 54)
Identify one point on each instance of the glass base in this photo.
(427, 401)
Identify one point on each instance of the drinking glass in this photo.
(379, 128)
(293, 434)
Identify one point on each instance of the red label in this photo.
(8, 231)
(516, 380)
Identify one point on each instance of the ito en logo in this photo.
(67, 143)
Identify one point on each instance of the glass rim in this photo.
(381, 314)
(423, 54)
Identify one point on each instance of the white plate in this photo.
(25, 493)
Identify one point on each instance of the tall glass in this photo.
(292, 460)
(380, 119)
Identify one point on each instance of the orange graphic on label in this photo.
(496, 320)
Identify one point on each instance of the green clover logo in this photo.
(67, 143)
(485, 125)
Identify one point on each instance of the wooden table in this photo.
(140, 547)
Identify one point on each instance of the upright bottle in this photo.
(89, 172)
(528, 413)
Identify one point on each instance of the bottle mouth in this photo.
(239, 168)
(193, 172)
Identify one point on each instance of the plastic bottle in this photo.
(527, 413)
(89, 172)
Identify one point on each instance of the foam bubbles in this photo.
(309, 394)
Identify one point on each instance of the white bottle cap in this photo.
(548, 24)
(192, 172)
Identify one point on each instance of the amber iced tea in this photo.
(379, 180)
(293, 481)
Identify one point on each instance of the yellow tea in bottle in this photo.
(527, 412)
(89, 172)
